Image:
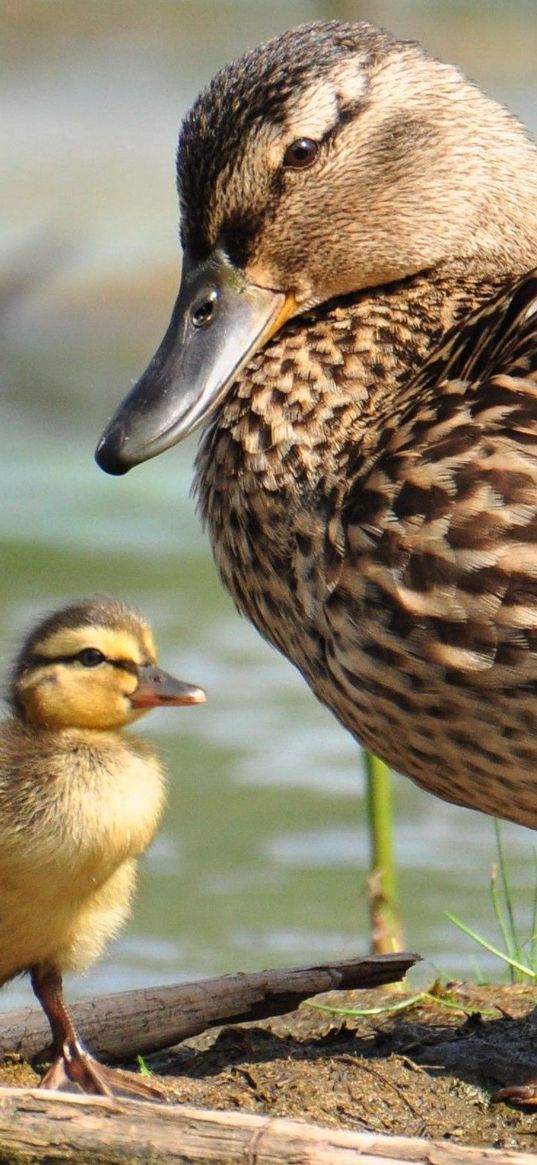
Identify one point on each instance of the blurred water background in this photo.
(263, 854)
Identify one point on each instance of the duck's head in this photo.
(331, 159)
(92, 664)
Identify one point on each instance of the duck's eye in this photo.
(90, 657)
(301, 154)
(202, 312)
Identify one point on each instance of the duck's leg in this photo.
(73, 1068)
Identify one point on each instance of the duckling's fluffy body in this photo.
(79, 802)
(76, 809)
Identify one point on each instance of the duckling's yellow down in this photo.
(76, 809)
(79, 801)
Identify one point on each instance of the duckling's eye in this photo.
(90, 657)
(301, 154)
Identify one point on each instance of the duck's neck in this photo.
(273, 466)
(337, 370)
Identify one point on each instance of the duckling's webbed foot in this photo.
(525, 1094)
(73, 1069)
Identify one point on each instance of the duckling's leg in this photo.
(73, 1068)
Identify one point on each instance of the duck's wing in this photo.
(500, 337)
(439, 550)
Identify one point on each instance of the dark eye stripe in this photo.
(91, 657)
(45, 661)
(124, 665)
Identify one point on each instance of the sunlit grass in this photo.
(437, 995)
(520, 956)
(144, 1070)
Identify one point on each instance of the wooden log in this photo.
(69, 1130)
(129, 1023)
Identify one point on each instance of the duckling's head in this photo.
(332, 159)
(92, 664)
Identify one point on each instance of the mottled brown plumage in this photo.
(368, 466)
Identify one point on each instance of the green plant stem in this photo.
(385, 921)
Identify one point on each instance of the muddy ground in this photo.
(428, 1071)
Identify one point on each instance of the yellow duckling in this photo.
(79, 802)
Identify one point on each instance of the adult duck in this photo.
(356, 333)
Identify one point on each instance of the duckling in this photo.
(79, 802)
(356, 333)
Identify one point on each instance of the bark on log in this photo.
(76, 1130)
(130, 1023)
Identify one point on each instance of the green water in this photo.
(263, 853)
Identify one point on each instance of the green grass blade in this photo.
(402, 1005)
(500, 918)
(492, 949)
(513, 942)
(533, 939)
(144, 1070)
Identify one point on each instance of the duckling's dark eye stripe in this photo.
(46, 660)
(124, 665)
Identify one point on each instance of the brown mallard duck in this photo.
(79, 802)
(356, 330)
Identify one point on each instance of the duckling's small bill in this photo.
(157, 689)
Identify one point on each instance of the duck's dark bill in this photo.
(157, 688)
(219, 320)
